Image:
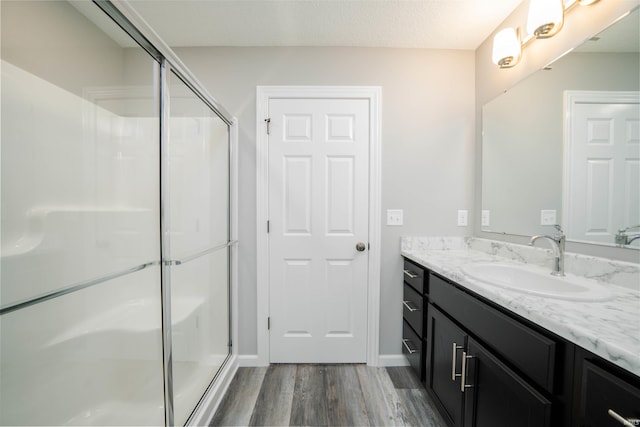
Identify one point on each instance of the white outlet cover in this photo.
(548, 217)
(463, 217)
(395, 217)
(486, 218)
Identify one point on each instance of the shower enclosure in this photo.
(115, 222)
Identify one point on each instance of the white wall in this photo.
(581, 23)
(49, 38)
(427, 144)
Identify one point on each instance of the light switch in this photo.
(548, 217)
(394, 216)
(463, 217)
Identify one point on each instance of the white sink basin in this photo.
(537, 281)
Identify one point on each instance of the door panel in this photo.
(498, 397)
(297, 195)
(318, 212)
(340, 195)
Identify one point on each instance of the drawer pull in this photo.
(409, 306)
(463, 374)
(454, 375)
(406, 343)
(629, 422)
(411, 274)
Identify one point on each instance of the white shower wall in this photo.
(58, 229)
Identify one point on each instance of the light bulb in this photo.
(545, 17)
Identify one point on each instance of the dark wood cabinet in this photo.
(414, 303)
(485, 366)
(472, 387)
(495, 396)
(502, 370)
(605, 398)
(443, 363)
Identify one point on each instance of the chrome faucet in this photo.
(624, 238)
(557, 245)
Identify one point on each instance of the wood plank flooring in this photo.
(326, 395)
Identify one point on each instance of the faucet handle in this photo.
(559, 233)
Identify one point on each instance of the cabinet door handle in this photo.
(411, 274)
(454, 375)
(629, 422)
(463, 374)
(409, 305)
(406, 343)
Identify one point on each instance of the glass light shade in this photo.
(545, 17)
(587, 2)
(506, 48)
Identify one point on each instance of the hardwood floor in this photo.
(326, 395)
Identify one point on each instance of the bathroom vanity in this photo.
(492, 356)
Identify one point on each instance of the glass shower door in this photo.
(198, 239)
(80, 316)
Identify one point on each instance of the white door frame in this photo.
(571, 99)
(374, 95)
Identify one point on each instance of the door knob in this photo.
(360, 247)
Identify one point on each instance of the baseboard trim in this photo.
(250, 361)
(393, 360)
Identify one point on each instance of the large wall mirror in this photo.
(563, 145)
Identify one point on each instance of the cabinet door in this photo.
(444, 365)
(498, 397)
(601, 392)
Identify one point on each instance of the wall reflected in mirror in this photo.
(563, 145)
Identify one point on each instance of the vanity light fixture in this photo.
(507, 48)
(545, 20)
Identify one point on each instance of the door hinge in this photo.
(268, 225)
(268, 121)
(269, 323)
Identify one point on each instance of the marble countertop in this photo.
(610, 329)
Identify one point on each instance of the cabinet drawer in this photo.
(412, 306)
(529, 351)
(412, 348)
(414, 276)
(602, 391)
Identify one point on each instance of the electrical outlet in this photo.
(486, 218)
(395, 216)
(548, 217)
(463, 217)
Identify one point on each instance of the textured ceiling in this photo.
(436, 24)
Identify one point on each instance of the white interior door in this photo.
(318, 213)
(604, 164)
